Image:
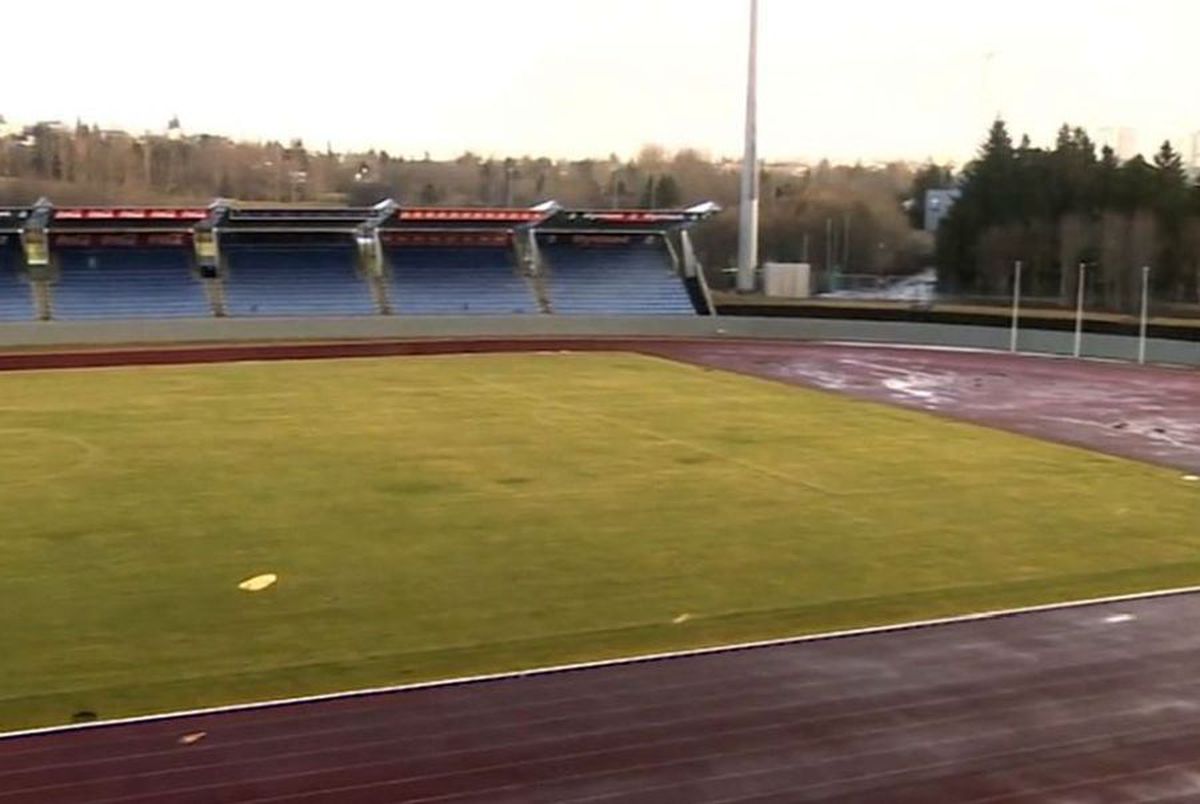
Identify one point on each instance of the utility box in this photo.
(791, 280)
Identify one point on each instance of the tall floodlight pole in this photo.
(846, 241)
(748, 207)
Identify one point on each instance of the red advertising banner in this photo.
(444, 238)
(125, 240)
(468, 215)
(128, 214)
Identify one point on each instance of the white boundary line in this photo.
(603, 663)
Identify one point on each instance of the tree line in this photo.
(827, 214)
(1055, 208)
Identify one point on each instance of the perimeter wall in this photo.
(92, 334)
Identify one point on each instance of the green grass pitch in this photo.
(432, 517)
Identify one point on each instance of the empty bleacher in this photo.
(450, 280)
(272, 276)
(16, 301)
(127, 283)
(633, 278)
(277, 280)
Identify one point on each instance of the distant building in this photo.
(174, 130)
(798, 169)
(210, 139)
(1123, 141)
(938, 204)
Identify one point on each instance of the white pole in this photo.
(829, 246)
(748, 208)
(1145, 314)
(1079, 310)
(1016, 306)
(846, 241)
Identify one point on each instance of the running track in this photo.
(1092, 703)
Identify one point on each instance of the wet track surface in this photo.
(1092, 703)
(1145, 413)
(1086, 704)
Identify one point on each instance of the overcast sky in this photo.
(869, 79)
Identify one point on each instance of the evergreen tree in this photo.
(1137, 184)
(1107, 179)
(1171, 197)
(990, 193)
(1171, 182)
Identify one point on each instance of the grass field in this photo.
(430, 517)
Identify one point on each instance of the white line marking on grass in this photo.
(599, 664)
(90, 453)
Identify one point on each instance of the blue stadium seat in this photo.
(16, 299)
(298, 280)
(457, 280)
(635, 279)
(127, 283)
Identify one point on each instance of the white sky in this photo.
(869, 79)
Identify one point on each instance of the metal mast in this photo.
(748, 207)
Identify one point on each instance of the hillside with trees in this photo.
(825, 213)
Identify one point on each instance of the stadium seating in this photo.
(16, 299)
(636, 279)
(298, 280)
(16, 303)
(320, 279)
(457, 280)
(127, 283)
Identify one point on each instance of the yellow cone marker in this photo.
(258, 582)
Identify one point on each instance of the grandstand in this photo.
(595, 275)
(135, 263)
(104, 283)
(286, 280)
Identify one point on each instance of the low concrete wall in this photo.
(69, 333)
(1115, 347)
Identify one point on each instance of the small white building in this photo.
(789, 280)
